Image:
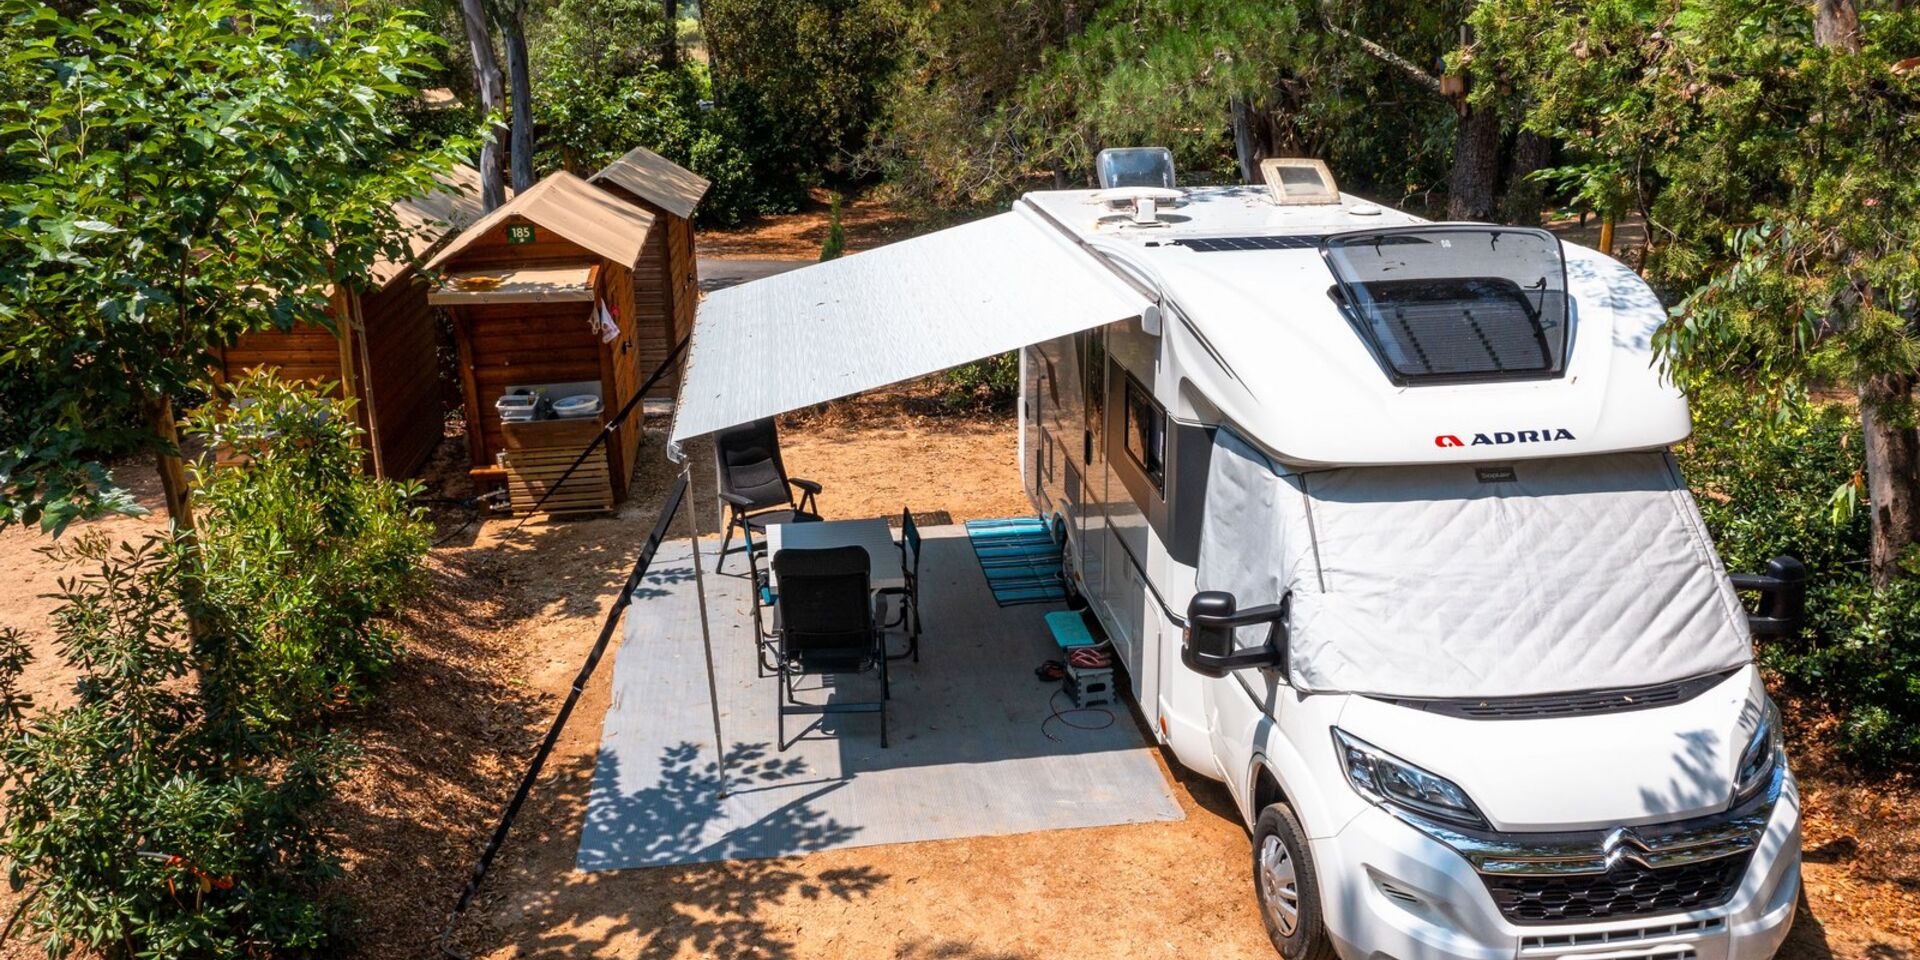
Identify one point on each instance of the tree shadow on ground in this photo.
(710, 909)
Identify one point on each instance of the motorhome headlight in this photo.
(1763, 752)
(1384, 778)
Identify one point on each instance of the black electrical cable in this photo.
(606, 431)
(527, 780)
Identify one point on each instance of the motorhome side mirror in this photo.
(1783, 597)
(1212, 616)
(1206, 638)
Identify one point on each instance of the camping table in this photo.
(872, 535)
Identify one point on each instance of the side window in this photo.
(1146, 434)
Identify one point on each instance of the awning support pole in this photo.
(706, 633)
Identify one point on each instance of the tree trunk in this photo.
(515, 29)
(173, 472)
(1893, 471)
(486, 78)
(1836, 24)
(1527, 197)
(1243, 148)
(670, 50)
(1476, 166)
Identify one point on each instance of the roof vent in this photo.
(1135, 167)
(1299, 181)
(1139, 205)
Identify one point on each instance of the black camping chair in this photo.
(824, 622)
(908, 618)
(754, 484)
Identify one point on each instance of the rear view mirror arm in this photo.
(1783, 597)
(1214, 613)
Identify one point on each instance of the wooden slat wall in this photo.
(307, 352)
(683, 272)
(403, 385)
(518, 343)
(651, 297)
(623, 360)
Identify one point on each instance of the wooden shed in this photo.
(666, 283)
(384, 355)
(542, 292)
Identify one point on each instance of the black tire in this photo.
(1308, 939)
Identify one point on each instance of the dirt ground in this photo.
(867, 218)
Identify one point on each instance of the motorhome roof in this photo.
(1264, 341)
(1214, 212)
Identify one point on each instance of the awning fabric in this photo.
(890, 314)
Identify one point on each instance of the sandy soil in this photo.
(866, 217)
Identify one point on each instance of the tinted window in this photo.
(1454, 303)
(1146, 434)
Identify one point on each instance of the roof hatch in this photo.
(1296, 181)
(1455, 303)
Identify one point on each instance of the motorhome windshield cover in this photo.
(1474, 580)
(1455, 303)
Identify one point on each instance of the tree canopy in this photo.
(183, 172)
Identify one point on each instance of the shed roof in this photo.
(433, 217)
(656, 179)
(572, 208)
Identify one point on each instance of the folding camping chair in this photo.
(825, 623)
(909, 616)
(754, 484)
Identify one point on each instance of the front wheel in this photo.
(1285, 884)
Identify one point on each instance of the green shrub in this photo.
(1788, 481)
(991, 383)
(301, 554)
(836, 242)
(136, 827)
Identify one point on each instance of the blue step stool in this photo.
(1069, 630)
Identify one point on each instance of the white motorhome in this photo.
(1380, 518)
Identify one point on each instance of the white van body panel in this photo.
(1249, 342)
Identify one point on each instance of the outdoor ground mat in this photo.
(1020, 558)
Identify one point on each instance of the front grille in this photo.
(1626, 890)
(1616, 700)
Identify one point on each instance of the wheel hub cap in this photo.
(1279, 886)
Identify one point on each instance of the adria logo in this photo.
(1501, 438)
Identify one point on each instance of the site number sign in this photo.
(520, 233)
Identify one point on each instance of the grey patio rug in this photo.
(973, 750)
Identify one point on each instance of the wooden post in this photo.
(1606, 235)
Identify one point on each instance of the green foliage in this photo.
(599, 92)
(135, 828)
(184, 173)
(802, 81)
(984, 384)
(996, 94)
(301, 554)
(836, 242)
(1776, 176)
(173, 811)
(1766, 483)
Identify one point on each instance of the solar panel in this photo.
(1232, 244)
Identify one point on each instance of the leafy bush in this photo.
(599, 93)
(300, 553)
(137, 827)
(989, 383)
(1789, 482)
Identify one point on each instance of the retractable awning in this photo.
(891, 314)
